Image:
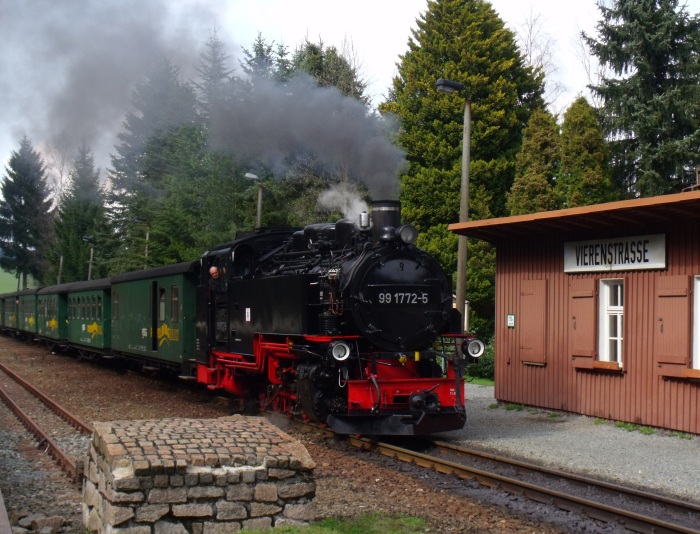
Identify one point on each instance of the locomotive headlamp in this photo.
(407, 233)
(339, 350)
(472, 347)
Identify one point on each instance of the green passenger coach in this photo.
(153, 316)
(77, 313)
(10, 310)
(26, 311)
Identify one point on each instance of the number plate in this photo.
(385, 296)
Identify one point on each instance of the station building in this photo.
(598, 309)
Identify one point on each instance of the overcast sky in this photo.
(70, 66)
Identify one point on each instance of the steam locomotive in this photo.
(345, 323)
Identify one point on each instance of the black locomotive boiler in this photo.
(346, 323)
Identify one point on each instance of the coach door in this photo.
(157, 311)
(218, 301)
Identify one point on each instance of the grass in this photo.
(682, 435)
(364, 524)
(479, 381)
(8, 282)
(516, 407)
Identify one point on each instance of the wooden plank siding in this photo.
(553, 366)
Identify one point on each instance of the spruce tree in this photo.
(330, 68)
(214, 83)
(81, 224)
(26, 225)
(651, 98)
(162, 102)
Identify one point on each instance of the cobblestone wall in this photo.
(199, 476)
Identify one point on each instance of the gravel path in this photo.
(664, 462)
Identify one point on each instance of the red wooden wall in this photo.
(549, 358)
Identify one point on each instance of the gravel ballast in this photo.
(352, 482)
(663, 462)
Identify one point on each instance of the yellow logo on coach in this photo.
(94, 329)
(167, 334)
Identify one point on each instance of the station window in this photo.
(174, 304)
(611, 320)
(696, 323)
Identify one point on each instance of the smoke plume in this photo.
(278, 120)
(68, 70)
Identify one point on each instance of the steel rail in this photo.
(63, 460)
(593, 509)
(680, 506)
(58, 409)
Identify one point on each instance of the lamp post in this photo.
(258, 219)
(448, 86)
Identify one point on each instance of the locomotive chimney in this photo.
(385, 214)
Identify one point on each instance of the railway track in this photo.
(636, 510)
(69, 435)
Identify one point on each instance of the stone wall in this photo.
(199, 476)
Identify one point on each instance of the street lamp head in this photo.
(448, 86)
(251, 176)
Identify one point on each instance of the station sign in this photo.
(617, 254)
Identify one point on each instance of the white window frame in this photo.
(696, 323)
(608, 314)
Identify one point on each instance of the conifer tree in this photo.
(584, 176)
(214, 83)
(537, 167)
(81, 224)
(651, 98)
(464, 41)
(26, 225)
(330, 68)
(162, 103)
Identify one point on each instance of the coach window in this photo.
(115, 305)
(611, 320)
(99, 307)
(161, 304)
(174, 304)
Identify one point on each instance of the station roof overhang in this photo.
(586, 219)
